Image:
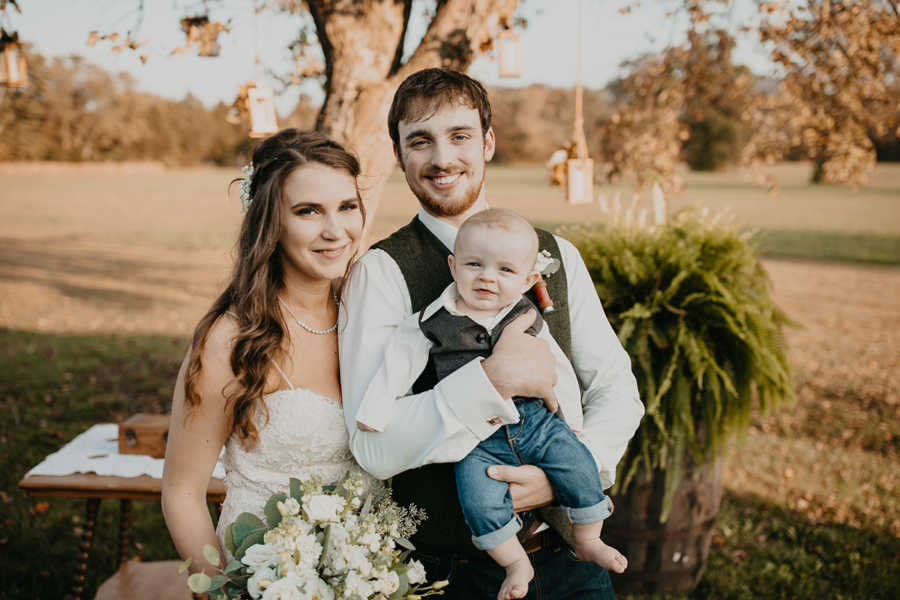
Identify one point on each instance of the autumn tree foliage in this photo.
(838, 89)
(840, 61)
(643, 136)
(75, 111)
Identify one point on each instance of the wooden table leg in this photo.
(124, 529)
(87, 541)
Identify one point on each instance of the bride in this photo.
(261, 376)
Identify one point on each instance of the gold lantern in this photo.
(261, 106)
(13, 70)
(509, 54)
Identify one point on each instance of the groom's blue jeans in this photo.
(558, 575)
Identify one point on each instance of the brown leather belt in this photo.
(542, 540)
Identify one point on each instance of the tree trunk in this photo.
(362, 41)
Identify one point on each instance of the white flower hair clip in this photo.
(545, 264)
(246, 182)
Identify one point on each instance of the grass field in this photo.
(103, 273)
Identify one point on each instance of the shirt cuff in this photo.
(472, 398)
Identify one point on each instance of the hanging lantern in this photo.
(580, 180)
(509, 54)
(261, 106)
(13, 70)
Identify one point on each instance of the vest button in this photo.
(482, 337)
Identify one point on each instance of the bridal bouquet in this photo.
(320, 543)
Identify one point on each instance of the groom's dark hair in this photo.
(424, 92)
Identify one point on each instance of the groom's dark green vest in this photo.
(422, 259)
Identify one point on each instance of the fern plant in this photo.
(692, 306)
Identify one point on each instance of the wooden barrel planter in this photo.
(670, 556)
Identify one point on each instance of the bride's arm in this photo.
(195, 439)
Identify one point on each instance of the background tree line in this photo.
(76, 111)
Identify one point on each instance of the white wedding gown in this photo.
(305, 435)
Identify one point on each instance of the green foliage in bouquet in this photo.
(692, 306)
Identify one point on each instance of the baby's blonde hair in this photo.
(499, 218)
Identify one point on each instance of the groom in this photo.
(440, 125)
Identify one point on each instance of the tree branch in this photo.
(894, 6)
(458, 31)
(317, 11)
(398, 53)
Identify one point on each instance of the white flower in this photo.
(260, 556)
(356, 559)
(320, 590)
(289, 587)
(545, 264)
(354, 584)
(261, 578)
(289, 507)
(308, 550)
(387, 582)
(416, 572)
(322, 508)
(246, 184)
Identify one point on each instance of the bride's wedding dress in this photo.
(305, 435)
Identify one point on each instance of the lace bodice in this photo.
(305, 435)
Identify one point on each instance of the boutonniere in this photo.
(546, 265)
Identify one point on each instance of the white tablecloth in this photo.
(97, 451)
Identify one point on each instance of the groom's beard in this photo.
(445, 207)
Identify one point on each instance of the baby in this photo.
(493, 265)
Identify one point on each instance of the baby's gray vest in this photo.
(422, 259)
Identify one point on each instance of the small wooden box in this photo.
(144, 434)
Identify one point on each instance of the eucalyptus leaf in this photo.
(184, 566)
(326, 540)
(233, 567)
(296, 488)
(256, 537)
(367, 506)
(229, 539)
(244, 525)
(405, 543)
(273, 515)
(216, 582)
(211, 555)
(199, 583)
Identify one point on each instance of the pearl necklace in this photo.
(304, 325)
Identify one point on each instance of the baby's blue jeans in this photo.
(540, 438)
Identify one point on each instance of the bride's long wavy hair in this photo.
(258, 276)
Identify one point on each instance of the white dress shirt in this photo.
(445, 423)
(406, 356)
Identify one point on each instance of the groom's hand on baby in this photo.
(528, 485)
(521, 364)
